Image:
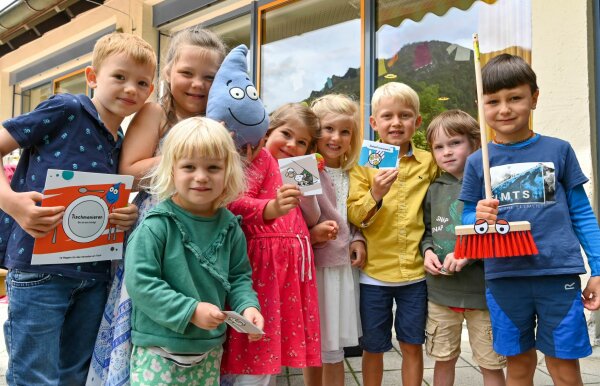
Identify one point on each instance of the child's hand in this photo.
(35, 220)
(252, 152)
(591, 294)
(253, 315)
(124, 217)
(207, 316)
(487, 209)
(454, 265)
(286, 200)
(382, 182)
(358, 254)
(324, 231)
(432, 262)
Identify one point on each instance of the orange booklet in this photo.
(85, 235)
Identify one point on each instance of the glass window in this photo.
(428, 45)
(34, 96)
(73, 83)
(164, 40)
(309, 48)
(234, 32)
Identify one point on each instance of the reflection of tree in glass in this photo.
(442, 79)
(349, 84)
(442, 82)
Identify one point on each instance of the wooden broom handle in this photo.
(482, 128)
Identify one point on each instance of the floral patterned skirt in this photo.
(148, 368)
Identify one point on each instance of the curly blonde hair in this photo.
(192, 137)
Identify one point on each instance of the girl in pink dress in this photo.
(281, 256)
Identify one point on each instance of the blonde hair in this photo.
(300, 112)
(400, 92)
(454, 122)
(340, 104)
(203, 137)
(123, 43)
(192, 36)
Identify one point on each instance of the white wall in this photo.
(561, 59)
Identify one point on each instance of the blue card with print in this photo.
(378, 155)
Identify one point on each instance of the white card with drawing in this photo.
(241, 324)
(303, 172)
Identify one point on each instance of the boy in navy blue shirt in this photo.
(535, 301)
(55, 310)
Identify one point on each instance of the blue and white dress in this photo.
(112, 351)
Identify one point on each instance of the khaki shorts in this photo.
(443, 335)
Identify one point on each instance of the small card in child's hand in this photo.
(241, 324)
(303, 172)
(378, 155)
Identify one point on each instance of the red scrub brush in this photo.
(500, 239)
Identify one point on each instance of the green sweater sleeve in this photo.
(241, 295)
(149, 292)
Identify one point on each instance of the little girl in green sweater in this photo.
(187, 259)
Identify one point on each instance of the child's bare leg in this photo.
(333, 374)
(372, 367)
(520, 368)
(313, 376)
(412, 364)
(564, 371)
(493, 377)
(443, 372)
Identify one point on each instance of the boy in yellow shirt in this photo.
(386, 204)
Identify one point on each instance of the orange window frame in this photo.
(56, 82)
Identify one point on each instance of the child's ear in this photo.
(90, 76)
(373, 122)
(534, 99)
(418, 121)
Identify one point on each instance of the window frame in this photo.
(49, 80)
(367, 52)
(56, 81)
(249, 9)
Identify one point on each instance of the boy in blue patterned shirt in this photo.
(55, 310)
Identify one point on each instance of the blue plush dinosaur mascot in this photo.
(233, 99)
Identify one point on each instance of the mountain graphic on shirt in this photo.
(524, 183)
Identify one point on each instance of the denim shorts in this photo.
(376, 314)
(542, 312)
(51, 327)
